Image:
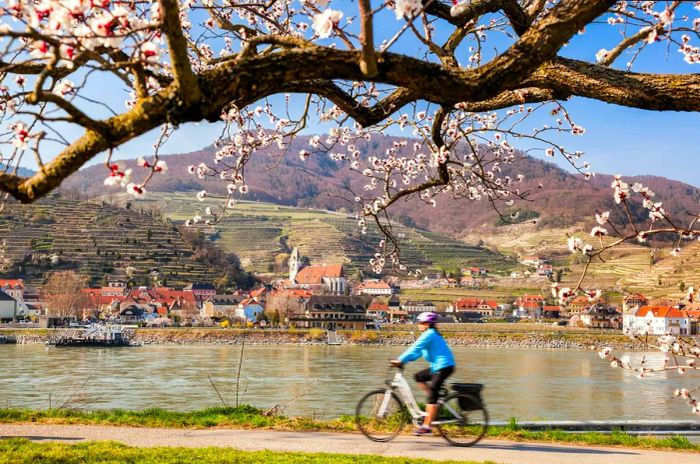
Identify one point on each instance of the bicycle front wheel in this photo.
(462, 419)
(381, 415)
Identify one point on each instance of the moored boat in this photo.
(93, 335)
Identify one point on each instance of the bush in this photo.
(364, 336)
(225, 323)
(317, 334)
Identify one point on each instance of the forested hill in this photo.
(560, 199)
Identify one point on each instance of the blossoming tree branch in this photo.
(466, 99)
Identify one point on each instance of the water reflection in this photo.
(326, 381)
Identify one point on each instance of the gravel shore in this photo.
(211, 336)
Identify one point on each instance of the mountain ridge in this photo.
(563, 200)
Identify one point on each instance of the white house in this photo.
(629, 318)
(662, 320)
(374, 288)
(415, 307)
(13, 287)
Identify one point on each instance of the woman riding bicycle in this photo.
(431, 346)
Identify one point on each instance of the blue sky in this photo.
(617, 140)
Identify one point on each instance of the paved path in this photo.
(406, 446)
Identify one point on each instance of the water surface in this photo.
(327, 381)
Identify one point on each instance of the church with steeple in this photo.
(320, 279)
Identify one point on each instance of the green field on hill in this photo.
(259, 232)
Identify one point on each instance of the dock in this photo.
(332, 337)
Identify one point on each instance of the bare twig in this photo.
(217, 391)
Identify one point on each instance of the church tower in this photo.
(294, 264)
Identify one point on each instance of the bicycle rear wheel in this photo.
(380, 415)
(462, 419)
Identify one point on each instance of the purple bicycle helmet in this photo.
(427, 317)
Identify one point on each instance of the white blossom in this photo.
(324, 23)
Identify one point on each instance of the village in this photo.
(322, 297)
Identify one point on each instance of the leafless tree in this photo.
(63, 296)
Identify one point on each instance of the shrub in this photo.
(317, 334)
(364, 336)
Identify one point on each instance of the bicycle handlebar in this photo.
(398, 366)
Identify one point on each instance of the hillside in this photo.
(95, 240)
(24, 172)
(562, 201)
(259, 232)
(670, 275)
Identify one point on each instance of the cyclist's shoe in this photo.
(423, 430)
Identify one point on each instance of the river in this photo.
(327, 381)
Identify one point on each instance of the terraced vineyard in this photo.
(621, 263)
(257, 232)
(95, 240)
(670, 275)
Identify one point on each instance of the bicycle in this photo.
(462, 419)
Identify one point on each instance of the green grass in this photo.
(18, 451)
(252, 418)
(593, 438)
(240, 417)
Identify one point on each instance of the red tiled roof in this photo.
(11, 283)
(313, 275)
(159, 296)
(378, 306)
(294, 293)
(474, 303)
(580, 300)
(466, 303)
(666, 312)
(551, 308)
(375, 284)
(257, 293)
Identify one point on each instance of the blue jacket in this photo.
(433, 348)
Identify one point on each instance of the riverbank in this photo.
(510, 336)
(250, 418)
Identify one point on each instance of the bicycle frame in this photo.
(400, 386)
